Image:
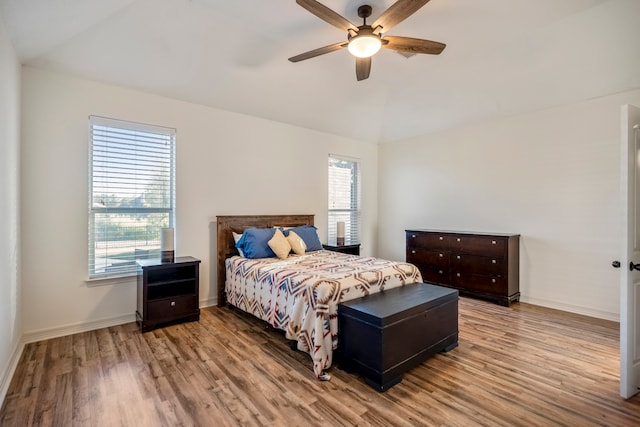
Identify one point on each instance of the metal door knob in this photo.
(633, 266)
(615, 264)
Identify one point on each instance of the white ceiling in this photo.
(503, 57)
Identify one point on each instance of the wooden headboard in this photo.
(230, 223)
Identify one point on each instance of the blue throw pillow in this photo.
(254, 243)
(309, 234)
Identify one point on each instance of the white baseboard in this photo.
(61, 331)
(7, 375)
(599, 314)
(210, 302)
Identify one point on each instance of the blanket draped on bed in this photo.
(300, 294)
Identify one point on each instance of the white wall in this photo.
(10, 289)
(226, 164)
(551, 176)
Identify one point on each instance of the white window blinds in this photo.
(344, 198)
(131, 193)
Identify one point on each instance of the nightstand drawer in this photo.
(170, 308)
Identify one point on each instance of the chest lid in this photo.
(386, 307)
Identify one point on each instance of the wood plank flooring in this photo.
(517, 366)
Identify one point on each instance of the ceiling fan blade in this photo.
(328, 15)
(363, 68)
(319, 51)
(398, 12)
(409, 44)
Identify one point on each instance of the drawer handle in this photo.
(458, 274)
(441, 238)
(493, 280)
(493, 261)
(441, 255)
(458, 256)
(493, 242)
(458, 239)
(440, 272)
(173, 303)
(413, 236)
(413, 252)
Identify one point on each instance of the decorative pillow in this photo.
(237, 237)
(309, 234)
(279, 244)
(254, 243)
(296, 243)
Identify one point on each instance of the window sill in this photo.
(111, 280)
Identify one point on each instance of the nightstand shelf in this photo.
(167, 292)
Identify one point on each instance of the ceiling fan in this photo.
(365, 40)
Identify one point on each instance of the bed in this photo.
(300, 294)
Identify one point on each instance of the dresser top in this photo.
(470, 233)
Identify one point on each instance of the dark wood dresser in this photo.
(477, 264)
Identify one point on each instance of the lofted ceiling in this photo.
(503, 57)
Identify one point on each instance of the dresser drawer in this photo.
(479, 245)
(478, 264)
(479, 282)
(433, 274)
(428, 240)
(169, 308)
(424, 256)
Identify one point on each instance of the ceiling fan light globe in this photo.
(364, 45)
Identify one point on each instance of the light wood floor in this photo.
(517, 366)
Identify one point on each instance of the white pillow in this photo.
(237, 237)
(296, 243)
(279, 245)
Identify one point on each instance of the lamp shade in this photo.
(166, 245)
(364, 45)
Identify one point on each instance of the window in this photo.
(344, 198)
(131, 193)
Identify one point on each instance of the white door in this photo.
(629, 274)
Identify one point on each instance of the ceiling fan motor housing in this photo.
(364, 11)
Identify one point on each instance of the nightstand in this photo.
(167, 292)
(351, 249)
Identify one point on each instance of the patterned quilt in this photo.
(300, 294)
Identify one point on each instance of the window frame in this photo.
(128, 126)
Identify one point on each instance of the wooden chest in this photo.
(383, 335)
(478, 264)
